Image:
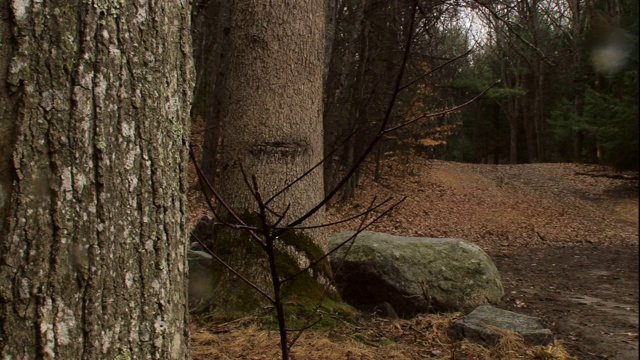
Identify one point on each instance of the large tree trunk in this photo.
(273, 117)
(93, 138)
(273, 130)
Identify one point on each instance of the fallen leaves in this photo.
(503, 205)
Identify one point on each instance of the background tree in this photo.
(366, 58)
(210, 30)
(272, 116)
(93, 141)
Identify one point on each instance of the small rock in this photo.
(479, 325)
(200, 279)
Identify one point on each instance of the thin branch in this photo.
(328, 156)
(377, 138)
(338, 221)
(306, 327)
(284, 214)
(203, 180)
(230, 268)
(443, 112)
(514, 32)
(317, 261)
(437, 68)
(332, 280)
(326, 288)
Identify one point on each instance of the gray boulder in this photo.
(486, 324)
(414, 275)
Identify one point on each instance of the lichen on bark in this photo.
(93, 238)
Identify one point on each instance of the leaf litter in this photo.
(499, 207)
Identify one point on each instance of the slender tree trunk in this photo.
(93, 219)
(341, 66)
(349, 189)
(539, 110)
(356, 107)
(529, 118)
(497, 140)
(211, 35)
(578, 135)
(513, 139)
(512, 111)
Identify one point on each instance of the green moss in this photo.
(177, 129)
(100, 144)
(303, 243)
(111, 7)
(126, 355)
(233, 298)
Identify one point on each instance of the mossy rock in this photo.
(415, 275)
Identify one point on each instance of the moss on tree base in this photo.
(231, 298)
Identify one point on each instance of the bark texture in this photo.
(96, 97)
(273, 129)
(273, 114)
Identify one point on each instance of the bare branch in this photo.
(230, 268)
(514, 32)
(378, 136)
(241, 224)
(328, 156)
(443, 112)
(332, 280)
(306, 327)
(437, 68)
(339, 221)
(317, 261)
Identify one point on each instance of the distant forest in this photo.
(562, 80)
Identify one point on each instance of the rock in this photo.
(200, 276)
(480, 326)
(414, 275)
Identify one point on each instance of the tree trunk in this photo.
(93, 139)
(513, 139)
(344, 62)
(274, 112)
(273, 128)
(210, 32)
(357, 117)
(539, 110)
(529, 118)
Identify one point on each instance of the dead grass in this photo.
(424, 337)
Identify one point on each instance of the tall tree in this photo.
(273, 129)
(93, 134)
(273, 115)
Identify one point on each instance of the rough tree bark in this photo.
(94, 130)
(273, 115)
(273, 125)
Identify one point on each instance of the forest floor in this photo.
(564, 238)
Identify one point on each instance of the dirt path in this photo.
(587, 295)
(566, 245)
